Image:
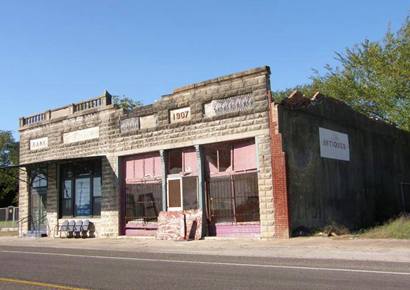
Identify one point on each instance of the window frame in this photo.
(95, 166)
(36, 173)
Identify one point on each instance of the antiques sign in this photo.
(180, 115)
(40, 143)
(334, 145)
(130, 125)
(81, 135)
(228, 105)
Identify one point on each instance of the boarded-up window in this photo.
(143, 166)
(139, 168)
(190, 161)
(235, 156)
(244, 156)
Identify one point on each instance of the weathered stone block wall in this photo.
(354, 193)
(104, 118)
(23, 199)
(199, 129)
(57, 151)
(52, 199)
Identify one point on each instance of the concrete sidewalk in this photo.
(302, 248)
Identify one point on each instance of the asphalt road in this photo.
(42, 268)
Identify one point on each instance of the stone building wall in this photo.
(155, 131)
(356, 193)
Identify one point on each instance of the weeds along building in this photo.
(212, 158)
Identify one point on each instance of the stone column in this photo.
(201, 186)
(109, 222)
(52, 198)
(266, 211)
(24, 200)
(164, 179)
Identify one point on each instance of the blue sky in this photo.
(53, 53)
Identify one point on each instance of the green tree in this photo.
(372, 77)
(8, 176)
(126, 103)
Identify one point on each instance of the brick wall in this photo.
(280, 192)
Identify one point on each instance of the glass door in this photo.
(83, 196)
(38, 201)
(39, 210)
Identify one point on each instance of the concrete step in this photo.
(35, 234)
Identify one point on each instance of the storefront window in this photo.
(232, 181)
(175, 161)
(82, 196)
(182, 161)
(224, 157)
(97, 195)
(234, 198)
(39, 178)
(190, 192)
(143, 187)
(66, 205)
(144, 201)
(81, 189)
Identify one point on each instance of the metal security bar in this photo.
(234, 198)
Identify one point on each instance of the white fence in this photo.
(9, 217)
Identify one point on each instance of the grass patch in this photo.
(8, 224)
(398, 228)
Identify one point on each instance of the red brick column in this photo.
(280, 191)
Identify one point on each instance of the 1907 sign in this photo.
(180, 115)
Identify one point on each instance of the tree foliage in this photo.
(126, 103)
(372, 77)
(8, 177)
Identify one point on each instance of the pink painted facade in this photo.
(232, 207)
(142, 167)
(244, 156)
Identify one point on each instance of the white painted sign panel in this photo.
(149, 121)
(130, 125)
(81, 135)
(180, 115)
(39, 143)
(228, 105)
(334, 145)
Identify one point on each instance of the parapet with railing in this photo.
(77, 108)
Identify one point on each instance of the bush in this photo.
(396, 228)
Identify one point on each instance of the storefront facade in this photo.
(202, 153)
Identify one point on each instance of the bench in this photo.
(76, 229)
